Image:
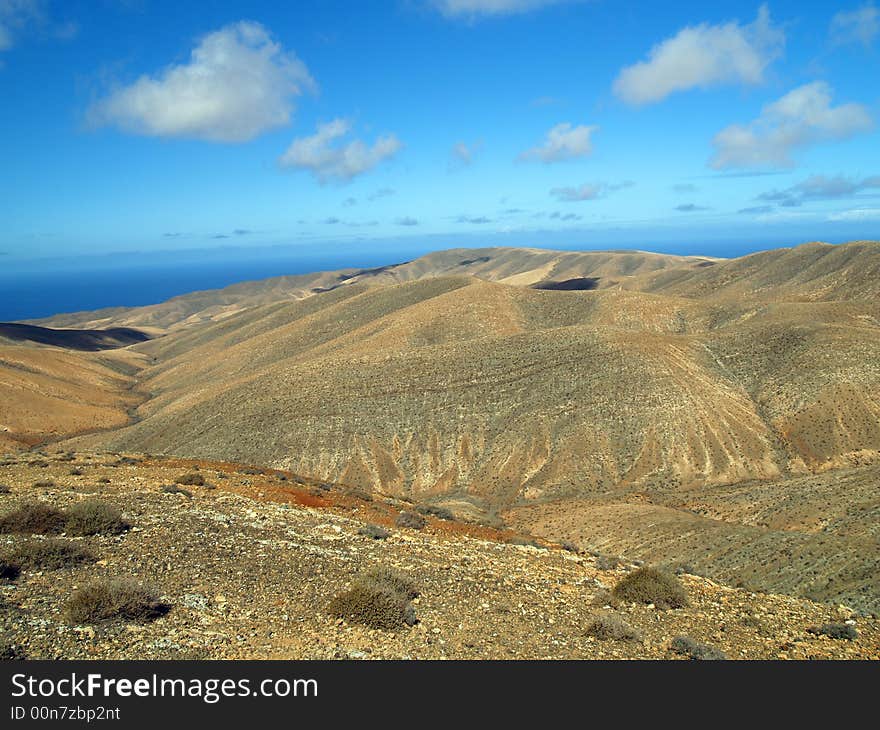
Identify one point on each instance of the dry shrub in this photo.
(608, 627)
(50, 554)
(191, 480)
(649, 585)
(372, 606)
(376, 532)
(380, 599)
(695, 650)
(835, 631)
(174, 489)
(94, 517)
(114, 598)
(393, 580)
(33, 518)
(410, 520)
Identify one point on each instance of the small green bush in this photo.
(191, 480)
(608, 627)
(836, 631)
(33, 518)
(689, 647)
(649, 585)
(114, 598)
(375, 532)
(50, 554)
(410, 520)
(94, 517)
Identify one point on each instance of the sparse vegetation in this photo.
(191, 479)
(115, 598)
(379, 598)
(649, 585)
(94, 517)
(393, 580)
(410, 520)
(432, 510)
(693, 649)
(44, 484)
(376, 532)
(836, 631)
(609, 627)
(4, 489)
(174, 489)
(373, 606)
(50, 554)
(33, 518)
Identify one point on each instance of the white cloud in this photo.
(15, 15)
(702, 56)
(342, 162)
(237, 84)
(858, 214)
(463, 154)
(856, 26)
(477, 8)
(588, 191)
(563, 142)
(802, 117)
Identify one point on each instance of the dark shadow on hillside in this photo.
(580, 283)
(90, 340)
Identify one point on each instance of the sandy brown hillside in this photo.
(47, 393)
(252, 564)
(615, 405)
(519, 266)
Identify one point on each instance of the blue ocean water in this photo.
(30, 292)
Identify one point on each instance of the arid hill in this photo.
(249, 563)
(453, 379)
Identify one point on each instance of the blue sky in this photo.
(153, 126)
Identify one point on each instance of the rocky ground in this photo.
(249, 563)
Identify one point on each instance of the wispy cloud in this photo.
(857, 214)
(406, 221)
(820, 187)
(381, 193)
(861, 25)
(237, 84)
(462, 154)
(562, 142)
(690, 208)
(801, 118)
(349, 202)
(684, 188)
(588, 191)
(329, 162)
(474, 220)
(703, 56)
(756, 210)
(472, 9)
